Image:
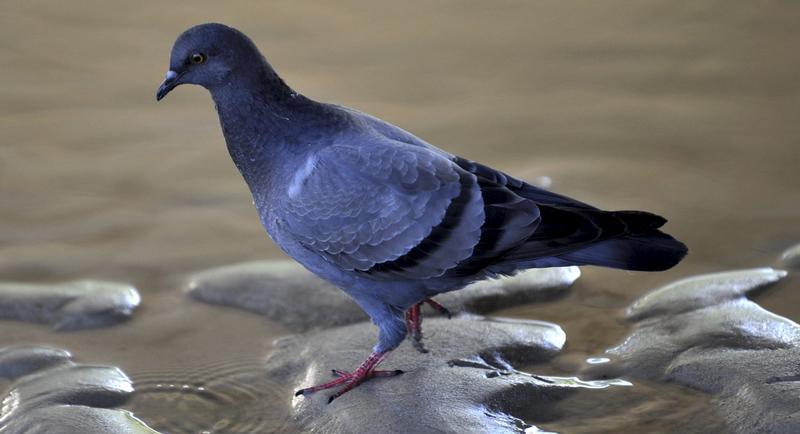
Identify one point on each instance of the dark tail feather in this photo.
(651, 251)
(639, 222)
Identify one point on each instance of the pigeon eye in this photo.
(198, 58)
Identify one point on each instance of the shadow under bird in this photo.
(382, 214)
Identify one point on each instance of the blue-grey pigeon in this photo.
(382, 214)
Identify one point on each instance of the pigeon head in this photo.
(212, 55)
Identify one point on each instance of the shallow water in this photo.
(689, 111)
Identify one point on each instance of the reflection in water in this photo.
(496, 367)
(586, 384)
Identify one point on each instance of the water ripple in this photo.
(224, 397)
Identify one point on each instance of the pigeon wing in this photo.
(364, 208)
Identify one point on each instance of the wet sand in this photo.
(689, 111)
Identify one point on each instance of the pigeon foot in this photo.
(349, 380)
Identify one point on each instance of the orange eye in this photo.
(198, 58)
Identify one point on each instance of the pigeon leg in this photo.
(442, 310)
(414, 322)
(349, 380)
(414, 326)
(375, 373)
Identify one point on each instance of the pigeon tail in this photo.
(627, 240)
(652, 251)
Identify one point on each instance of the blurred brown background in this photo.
(687, 109)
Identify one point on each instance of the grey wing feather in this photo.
(363, 206)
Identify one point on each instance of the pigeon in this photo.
(384, 215)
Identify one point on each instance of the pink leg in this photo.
(349, 380)
(442, 310)
(414, 326)
(375, 373)
(414, 322)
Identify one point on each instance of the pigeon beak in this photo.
(170, 81)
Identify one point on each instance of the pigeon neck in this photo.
(248, 96)
(260, 116)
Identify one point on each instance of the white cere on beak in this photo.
(171, 74)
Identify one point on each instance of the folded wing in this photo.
(386, 209)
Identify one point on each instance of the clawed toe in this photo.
(348, 380)
(376, 373)
(388, 373)
(416, 341)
